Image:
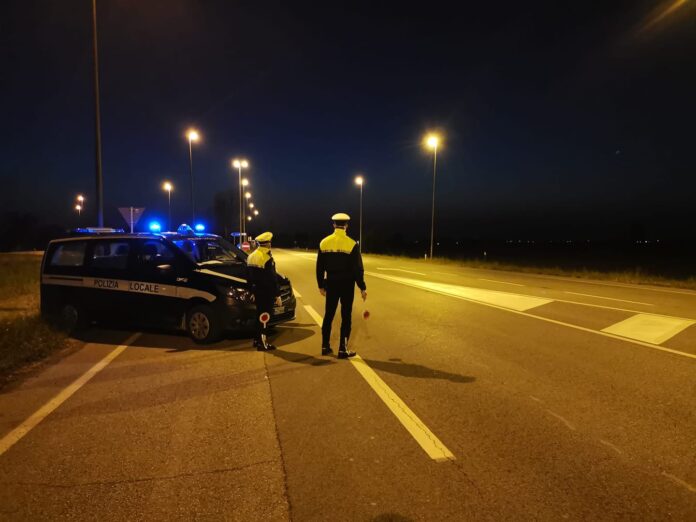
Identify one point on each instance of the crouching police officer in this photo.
(264, 285)
(339, 269)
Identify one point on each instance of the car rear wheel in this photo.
(203, 324)
(72, 318)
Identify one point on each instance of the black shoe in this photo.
(345, 354)
(260, 347)
(270, 346)
(326, 350)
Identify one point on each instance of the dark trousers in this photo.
(264, 303)
(335, 292)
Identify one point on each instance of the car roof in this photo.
(172, 236)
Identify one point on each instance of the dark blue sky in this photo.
(561, 119)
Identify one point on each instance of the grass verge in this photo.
(19, 274)
(25, 340)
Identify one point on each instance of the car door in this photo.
(108, 268)
(157, 268)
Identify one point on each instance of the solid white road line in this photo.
(655, 329)
(25, 427)
(427, 440)
(501, 282)
(545, 319)
(315, 315)
(609, 298)
(401, 270)
(297, 294)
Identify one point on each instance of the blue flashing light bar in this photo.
(200, 227)
(155, 226)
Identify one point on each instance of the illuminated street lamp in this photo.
(256, 212)
(192, 136)
(78, 207)
(432, 142)
(168, 187)
(240, 164)
(360, 181)
(251, 205)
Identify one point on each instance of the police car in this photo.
(183, 279)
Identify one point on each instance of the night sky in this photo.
(561, 119)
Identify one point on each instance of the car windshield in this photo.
(210, 251)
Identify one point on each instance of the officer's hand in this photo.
(363, 293)
(278, 301)
(322, 292)
(253, 298)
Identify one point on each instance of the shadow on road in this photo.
(398, 367)
(178, 341)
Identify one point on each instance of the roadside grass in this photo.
(19, 275)
(25, 338)
(636, 276)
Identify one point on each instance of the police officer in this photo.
(264, 285)
(339, 269)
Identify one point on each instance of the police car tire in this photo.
(72, 318)
(203, 324)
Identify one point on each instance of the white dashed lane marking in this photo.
(610, 298)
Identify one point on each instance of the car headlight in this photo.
(239, 295)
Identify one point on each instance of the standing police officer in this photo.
(264, 285)
(339, 269)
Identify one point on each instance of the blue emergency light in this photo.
(155, 226)
(200, 227)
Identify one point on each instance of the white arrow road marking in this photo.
(516, 302)
(655, 329)
(436, 289)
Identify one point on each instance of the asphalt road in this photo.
(478, 395)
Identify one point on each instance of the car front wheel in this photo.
(203, 324)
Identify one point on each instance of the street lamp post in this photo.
(360, 181)
(97, 119)
(78, 207)
(240, 164)
(168, 187)
(432, 141)
(192, 136)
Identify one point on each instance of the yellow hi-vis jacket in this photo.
(261, 272)
(339, 261)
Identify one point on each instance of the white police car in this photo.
(181, 279)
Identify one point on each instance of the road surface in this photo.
(478, 395)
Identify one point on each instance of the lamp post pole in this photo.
(97, 120)
(432, 220)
